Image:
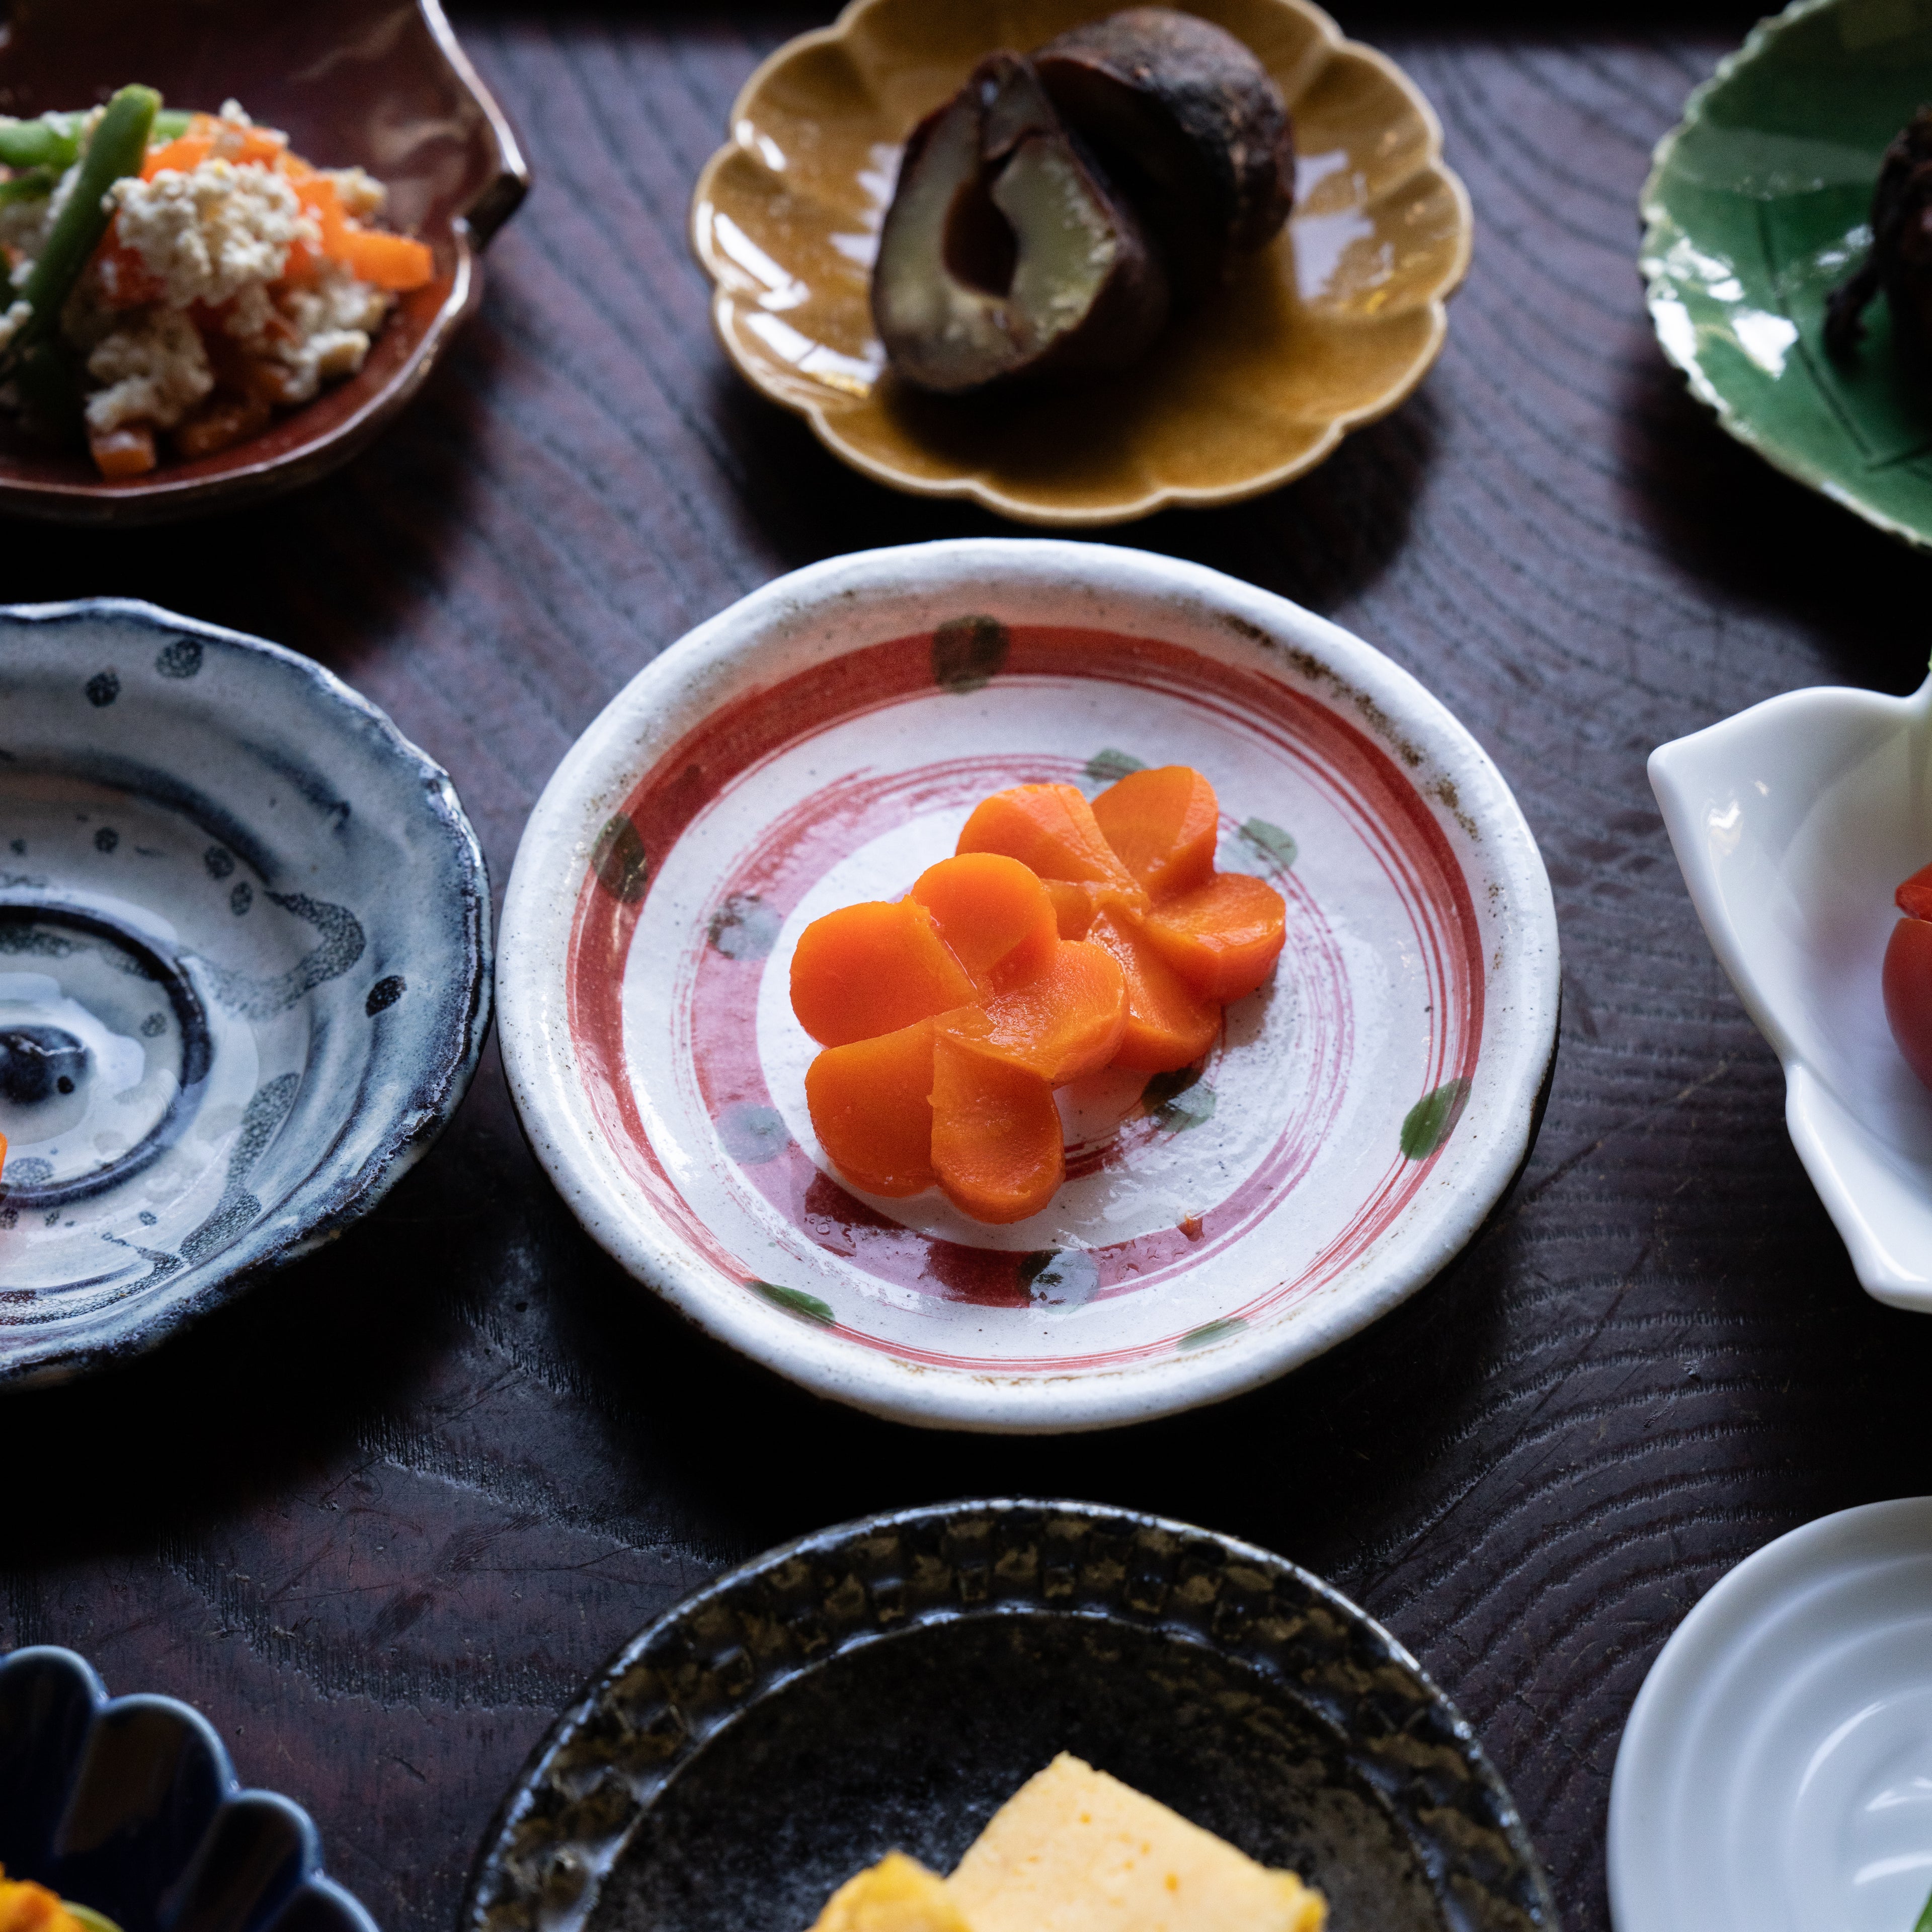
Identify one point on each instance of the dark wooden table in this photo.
(379, 1519)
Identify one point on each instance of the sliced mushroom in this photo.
(1006, 252)
(1189, 127)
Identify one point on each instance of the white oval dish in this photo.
(1795, 822)
(1776, 1772)
(821, 742)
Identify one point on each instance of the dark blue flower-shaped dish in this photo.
(129, 1805)
(244, 970)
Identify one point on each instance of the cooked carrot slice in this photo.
(1072, 907)
(1049, 828)
(183, 154)
(873, 968)
(1223, 938)
(220, 423)
(128, 451)
(392, 262)
(996, 1142)
(1066, 1021)
(1162, 825)
(871, 1106)
(1169, 1025)
(993, 913)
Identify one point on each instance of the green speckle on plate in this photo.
(968, 652)
(1212, 1331)
(794, 1301)
(1756, 208)
(622, 867)
(1272, 844)
(1109, 766)
(1430, 1121)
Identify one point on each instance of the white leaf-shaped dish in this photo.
(1794, 823)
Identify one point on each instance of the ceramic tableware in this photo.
(1330, 327)
(1776, 1772)
(1756, 208)
(382, 84)
(822, 742)
(130, 1806)
(1795, 822)
(746, 1753)
(244, 969)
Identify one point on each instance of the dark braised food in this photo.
(1049, 217)
(1005, 252)
(1900, 262)
(1189, 127)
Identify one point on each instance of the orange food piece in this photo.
(1072, 907)
(1066, 1020)
(222, 421)
(872, 968)
(997, 1146)
(1169, 1025)
(1051, 829)
(182, 155)
(1162, 825)
(26, 1906)
(993, 912)
(1224, 936)
(871, 1106)
(385, 261)
(128, 451)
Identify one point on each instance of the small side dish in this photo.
(1907, 978)
(1050, 216)
(1062, 940)
(1073, 1848)
(179, 278)
(1899, 262)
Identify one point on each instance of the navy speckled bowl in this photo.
(244, 970)
(891, 1682)
(129, 1805)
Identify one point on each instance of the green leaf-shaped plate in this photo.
(1756, 208)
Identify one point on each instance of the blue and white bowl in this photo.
(244, 969)
(130, 1806)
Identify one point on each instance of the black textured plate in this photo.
(890, 1682)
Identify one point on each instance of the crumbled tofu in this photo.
(205, 234)
(154, 370)
(361, 195)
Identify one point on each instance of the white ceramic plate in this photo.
(1795, 822)
(821, 742)
(1776, 1773)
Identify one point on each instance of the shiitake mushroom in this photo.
(1188, 124)
(1005, 251)
(1900, 259)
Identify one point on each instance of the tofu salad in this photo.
(173, 280)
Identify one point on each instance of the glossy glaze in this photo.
(1756, 208)
(129, 1806)
(244, 969)
(1209, 1673)
(382, 84)
(1329, 327)
(1776, 1773)
(821, 742)
(1794, 823)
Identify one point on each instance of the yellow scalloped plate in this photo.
(1330, 326)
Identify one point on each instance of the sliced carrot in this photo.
(1169, 1025)
(1072, 907)
(392, 262)
(1066, 1021)
(182, 155)
(222, 421)
(871, 1107)
(993, 913)
(128, 451)
(873, 968)
(242, 145)
(1223, 938)
(124, 280)
(1050, 828)
(1162, 825)
(997, 1147)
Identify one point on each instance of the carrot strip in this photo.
(392, 261)
(128, 451)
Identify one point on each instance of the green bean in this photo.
(35, 185)
(52, 141)
(171, 123)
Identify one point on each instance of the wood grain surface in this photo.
(378, 1520)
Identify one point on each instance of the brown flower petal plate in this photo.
(1330, 327)
(381, 84)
